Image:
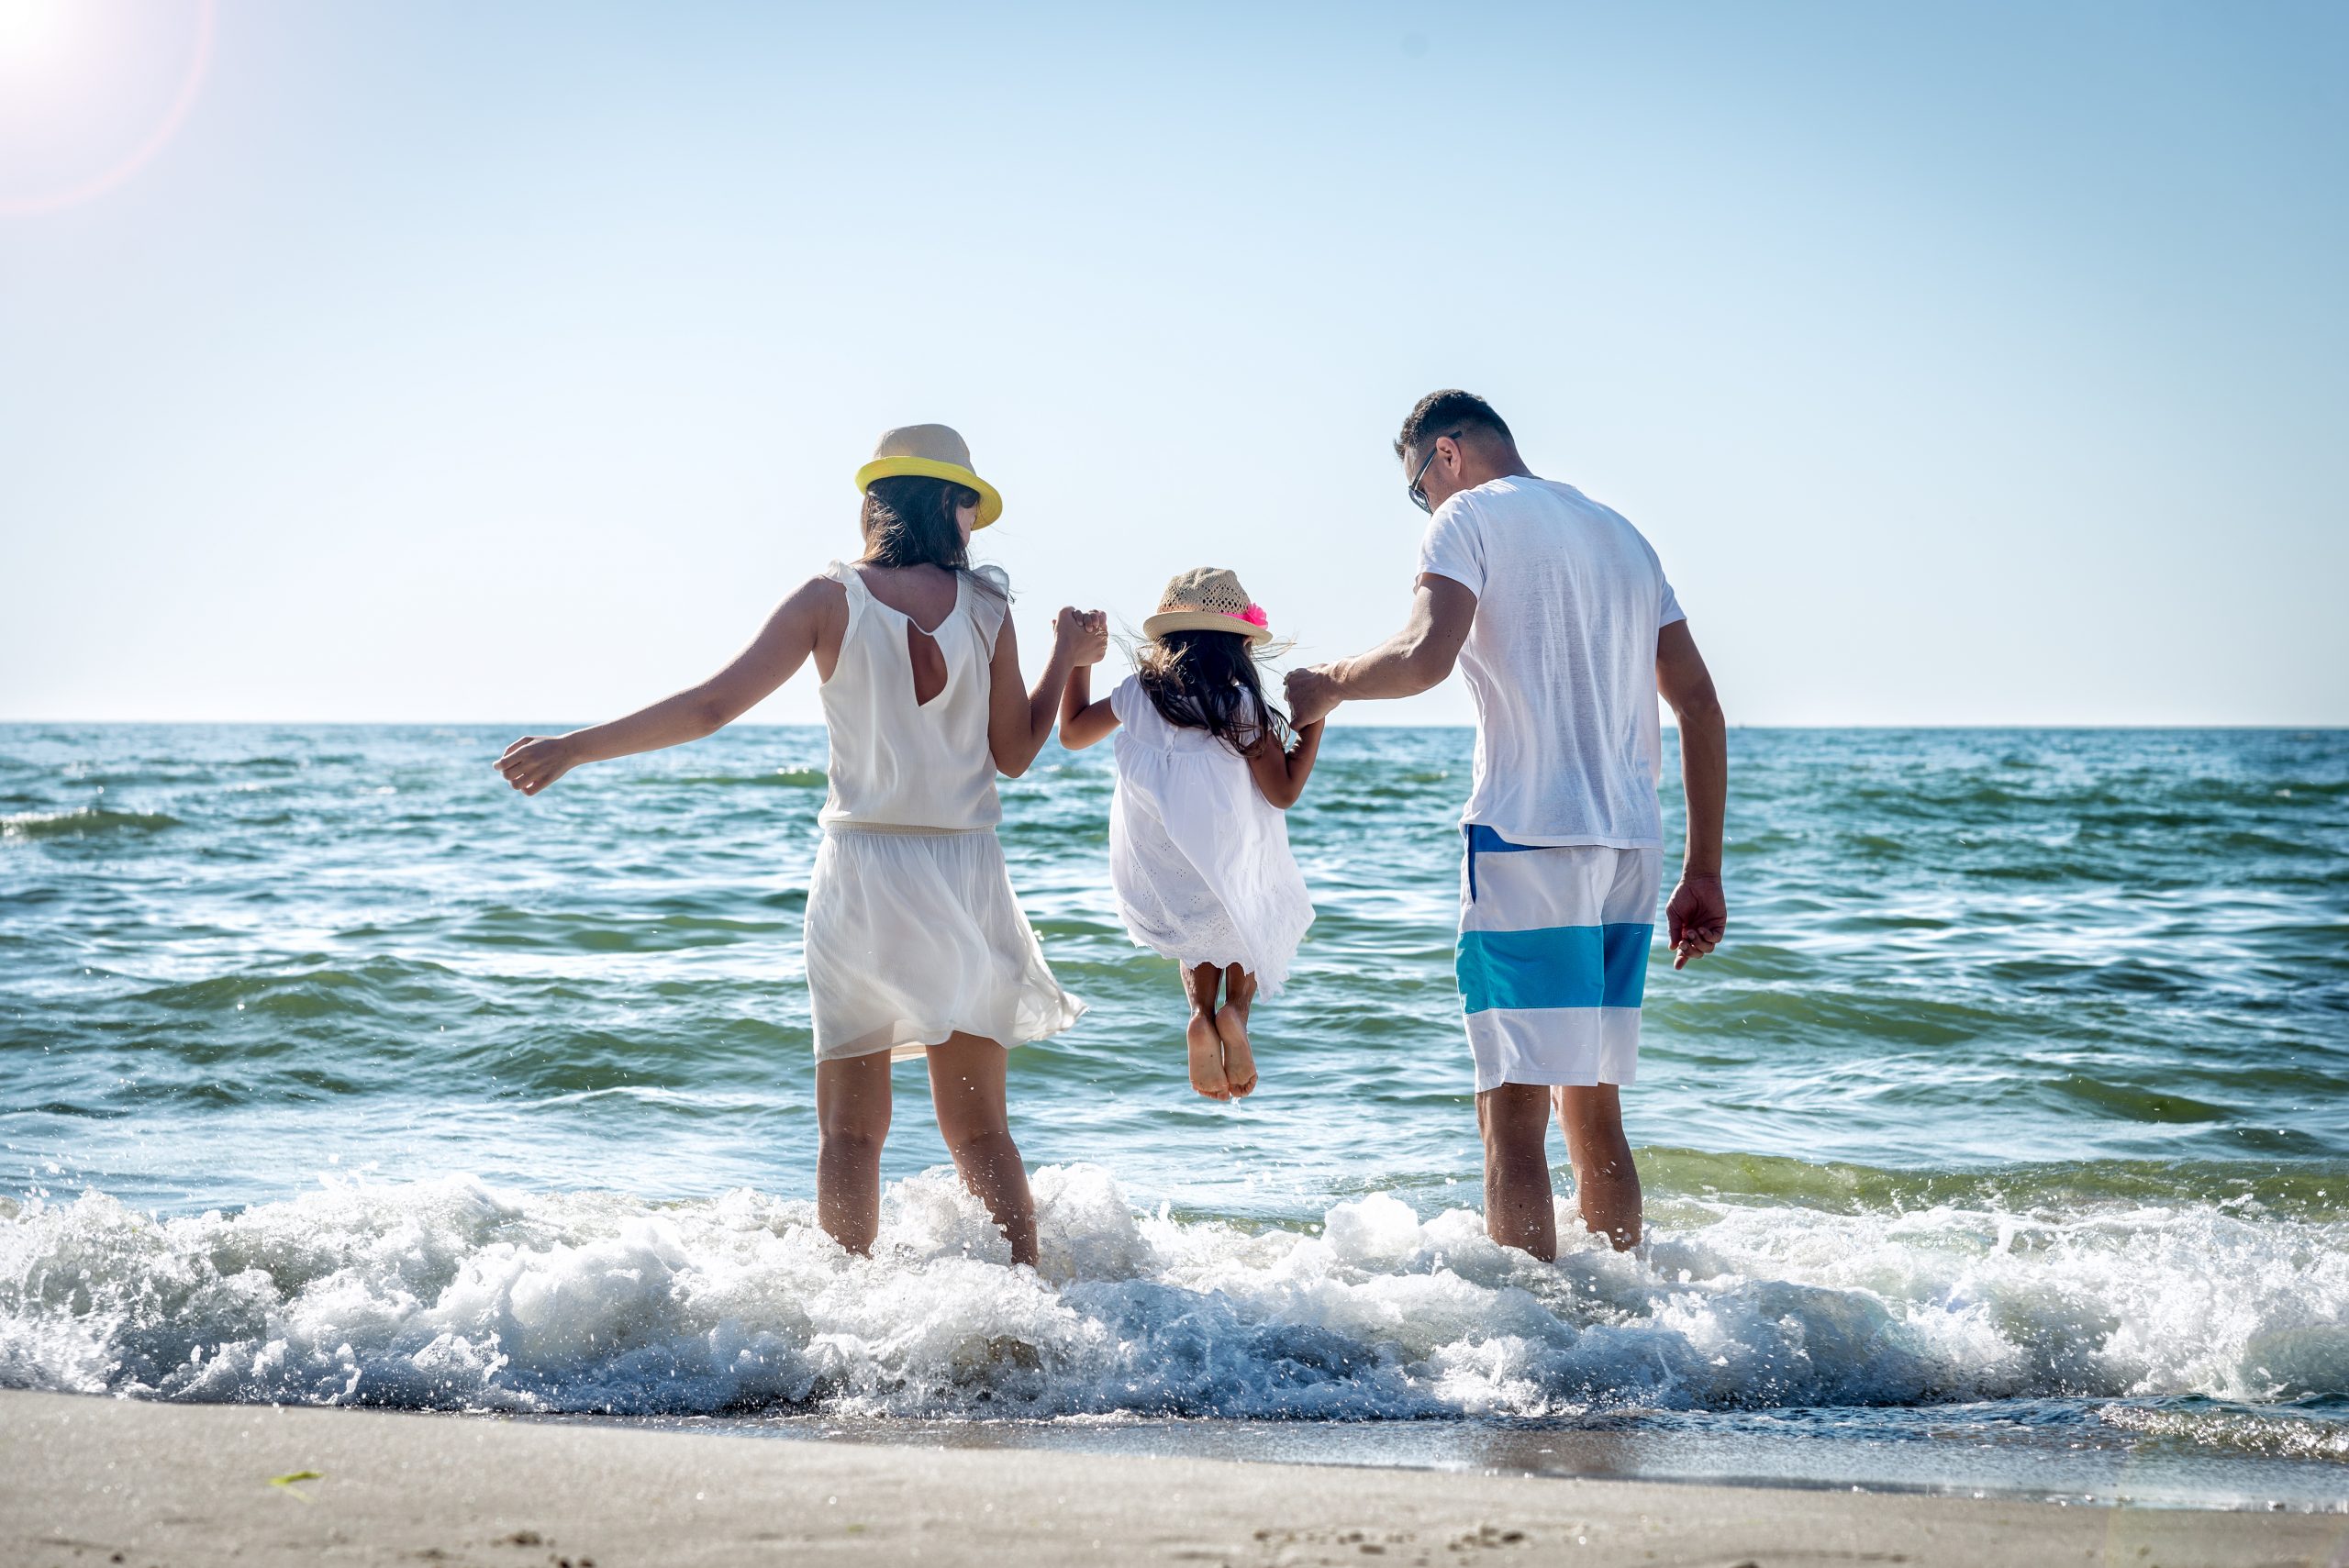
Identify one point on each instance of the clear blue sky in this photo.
(1964, 363)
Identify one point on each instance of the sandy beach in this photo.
(104, 1481)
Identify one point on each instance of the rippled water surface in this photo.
(2014, 1107)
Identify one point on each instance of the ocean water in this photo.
(2004, 1146)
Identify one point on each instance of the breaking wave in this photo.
(449, 1294)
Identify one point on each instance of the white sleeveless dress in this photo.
(1198, 858)
(912, 931)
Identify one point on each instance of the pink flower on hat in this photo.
(1254, 615)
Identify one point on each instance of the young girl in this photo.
(1198, 848)
(915, 943)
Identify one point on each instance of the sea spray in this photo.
(449, 1294)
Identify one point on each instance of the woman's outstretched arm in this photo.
(773, 657)
(1019, 721)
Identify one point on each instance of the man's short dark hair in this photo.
(1441, 412)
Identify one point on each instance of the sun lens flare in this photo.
(91, 90)
(30, 30)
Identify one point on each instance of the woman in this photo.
(915, 943)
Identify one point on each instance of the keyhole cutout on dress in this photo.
(929, 664)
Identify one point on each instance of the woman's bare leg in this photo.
(1232, 1027)
(1515, 1120)
(1200, 982)
(852, 1120)
(1607, 1183)
(967, 1086)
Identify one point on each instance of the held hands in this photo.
(535, 761)
(1083, 634)
(1311, 694)
(1696, 917)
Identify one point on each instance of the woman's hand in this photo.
(1083, 634)
(537, 760)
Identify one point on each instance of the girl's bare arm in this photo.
(1084, 722)
(773, 657)
(1280, 775)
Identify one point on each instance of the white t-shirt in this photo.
(1561, 659)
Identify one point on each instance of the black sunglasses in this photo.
(1420, 496)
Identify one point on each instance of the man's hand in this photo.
(1084, 633)
(1696, 917)
(1311, 694)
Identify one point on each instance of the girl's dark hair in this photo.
(909, 520)
(1207, 680)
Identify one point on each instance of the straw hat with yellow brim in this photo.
(1208, 598)
(932, 451)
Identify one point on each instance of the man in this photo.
(1560, 613)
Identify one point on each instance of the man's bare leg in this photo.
(1606, 1183)
(1515, 1120)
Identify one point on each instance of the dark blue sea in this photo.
(2004, 1145)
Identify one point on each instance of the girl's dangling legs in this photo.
(1232, 1027)
(967, 1086)
(852, 1120)
(1200, 983)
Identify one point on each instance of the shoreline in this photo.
(97, 1480)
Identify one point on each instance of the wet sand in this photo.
(86, 1480)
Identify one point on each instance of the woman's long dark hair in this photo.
(1207, 680)
(909, 520)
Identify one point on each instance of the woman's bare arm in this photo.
(1021, 721)
(1280, 775)
(773, 657)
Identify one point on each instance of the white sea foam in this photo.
(449, 1293)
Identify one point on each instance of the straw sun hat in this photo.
(1208, 598)
(932, 451)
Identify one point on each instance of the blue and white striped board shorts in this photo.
(1554, 959)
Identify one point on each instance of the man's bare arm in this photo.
(1697, 913)
(1412, 661)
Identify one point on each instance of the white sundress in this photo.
(913, 933)
(1198, 858)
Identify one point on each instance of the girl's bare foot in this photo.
(1232, 1027)
(1206, 1058)
(1239, 1062)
